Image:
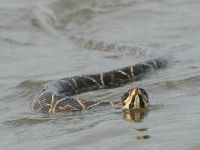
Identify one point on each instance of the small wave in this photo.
(58, 15)
(30, 84)
(108, 46)
(25, 121)
(45, 19)
(187, 84)
(49, 18)
(15, 42)
(15, 18)
(54, 16)
(62, 13)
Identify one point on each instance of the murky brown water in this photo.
(43, 40)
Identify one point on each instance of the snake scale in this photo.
(56, 96)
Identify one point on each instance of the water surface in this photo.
(42, 41)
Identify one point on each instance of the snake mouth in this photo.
(135, 99)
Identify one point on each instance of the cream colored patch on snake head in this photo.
(135, 99)
(137, 102)
(129, 99)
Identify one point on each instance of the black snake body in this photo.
(54, 96)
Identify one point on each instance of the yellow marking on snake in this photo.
(122, 72)
(96, 104)
(147, 65)
(66, 107)
(80, 102)
(101, 77)
(155, 63)
(75, 84)
(71, 85)
(93, 81)
(132, 74)
(54, 103)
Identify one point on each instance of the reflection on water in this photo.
(142, 129)
(143, 137)
(25, 121)
(135, 115)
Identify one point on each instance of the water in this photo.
(42, 40)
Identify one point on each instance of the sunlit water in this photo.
(45, 40)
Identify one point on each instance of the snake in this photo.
(59, 95)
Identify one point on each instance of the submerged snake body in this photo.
(54, 96)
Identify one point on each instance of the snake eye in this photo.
(124, 97)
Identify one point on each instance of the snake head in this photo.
(135, 98)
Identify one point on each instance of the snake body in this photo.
(55, 96)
